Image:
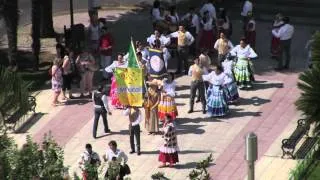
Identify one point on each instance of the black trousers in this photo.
(97, 113)
(285, 51)
(200, 86)
(67, 79)
(135, 132)
(183, 53)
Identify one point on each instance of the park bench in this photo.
(305, 147)
(11, 118)
(289, 144)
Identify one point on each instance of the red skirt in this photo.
(251, 38)
(171, 158)
(275, 46)
(207, 40)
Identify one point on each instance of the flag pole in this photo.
(134, 51)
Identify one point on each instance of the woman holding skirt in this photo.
(169, 149)
(217, 105)
(243, 69)
(120, 63)
(275, 41)
(230, 86)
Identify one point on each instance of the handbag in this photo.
(126, 169)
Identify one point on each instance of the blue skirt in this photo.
(231, 91)
(216, 101)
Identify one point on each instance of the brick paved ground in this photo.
(267, 110)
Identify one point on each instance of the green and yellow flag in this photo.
(132, 59)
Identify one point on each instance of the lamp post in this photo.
(251, 153)
(71, 13)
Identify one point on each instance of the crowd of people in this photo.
(219, 69)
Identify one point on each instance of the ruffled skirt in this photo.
(231, 91)
(113, 94)
(243, 73)
(216, 101)
(167, 105)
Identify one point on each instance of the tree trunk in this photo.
(11, 18)
(36, 45)
(47, 29)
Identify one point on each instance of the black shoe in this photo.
(190, 111)
(198, 100)
(131, 152)
(139, 153)
(204, 112)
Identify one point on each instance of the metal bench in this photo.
(288, 145)
(10, 120)
(305, 147)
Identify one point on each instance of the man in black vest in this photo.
(100, 108)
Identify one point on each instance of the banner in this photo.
(156, 63)
(129, 86)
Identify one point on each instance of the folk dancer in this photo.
(217, 105)
(209, 7)
(285, 34)
(243, 70)
(250, 32)
(230, 85)
(151, 103)
(169, 149)
(105, 47)
(208, 36)
(167, 103)
(196, 71)
(185, 40)
(223, 46)
(120, 63)
(101, 108)
(275, 41)
(134, 114)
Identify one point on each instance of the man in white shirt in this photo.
(89, 157)
(193, 21)
(185, 40)
(101, 108)
(246, 9)
(285, 34)
(134, 114)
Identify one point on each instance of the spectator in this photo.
(56, 80)
(106, 46)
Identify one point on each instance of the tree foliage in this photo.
(315, 49)
(31, 161)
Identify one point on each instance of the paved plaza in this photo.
(267, 110)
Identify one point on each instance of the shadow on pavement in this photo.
(77, 102)
(180, 152)
(256, 101)
(30, 123)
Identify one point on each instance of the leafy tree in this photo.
(9, 11)
(315, 49)
(36, 20)
(13, 94)
(201, 173)
(309, 100)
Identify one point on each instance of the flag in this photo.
(156, 63)
(129, 86)
(132, 58)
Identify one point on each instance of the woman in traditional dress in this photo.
(275, 42)
(56, 80)
(207, 35)
(167, 103)
(169, 149)
(217, 105)
(230, 86)
(120, 63)
(151, 109)
(243, 70)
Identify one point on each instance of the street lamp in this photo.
(71, 13)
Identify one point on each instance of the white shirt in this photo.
(210, 8)
(85, 157)
(247, 7)
(246, 52)
(170, 88)
(216, 44)
(227, 67)
(284, 33)
(156, 15)
(189, 37)
(137, 121)
(120, 155)
(208, 25)
(195, 21)
(115, 65)
(104, 100)
(164, 40)
(215, 79)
